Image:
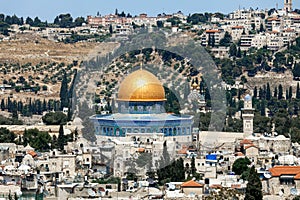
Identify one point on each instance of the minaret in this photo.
(287, 6)
(247, 115)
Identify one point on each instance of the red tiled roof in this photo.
(182, 151)
(245, 141)
(191, 183)
(272, 19)
(286, 170)
(234, 186)
(212, 31)
(251, 145)
(239, 154)
(289, 30)
(237, 27)
(32, 153)
(216, 186)
(140, 150)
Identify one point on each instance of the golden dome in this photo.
(141, 85)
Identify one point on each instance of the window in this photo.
(66, 164)
(108, 187)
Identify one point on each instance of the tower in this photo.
(247, 115)
(287, 6)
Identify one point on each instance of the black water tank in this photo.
(206, 181)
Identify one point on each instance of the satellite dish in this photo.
(267, 175)
(294, 191)
(91, 193)
(172, 187)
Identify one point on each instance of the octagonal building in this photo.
(141, 114)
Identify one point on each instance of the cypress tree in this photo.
(290, 92)
(39, 107)
(180, 174)
(44, 106)
(30, 109)
(298, 92)
(254, 186)
(9, 105)
(20, 106)
(165, 159)
(239, 53)
(54, 142)
(268, 92)
(110, 29)
(61, 138)
(64, 92)
(260, 93)
(275, 92)
(263, 108)
(287, 94)
(15, 110)
(255, 92)
(2, 105)
(280, 92)
(193, 167)
(232, 50)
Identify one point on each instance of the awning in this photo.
(286, 177)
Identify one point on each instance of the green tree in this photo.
(2, 105)
(239, 53)
(226, 41)
(64, 92)
(193, 166)
(56, 20)
(275, 93)
(29, 21)
(296, 70)
(290, 93)
(54, 118)
(65, 21)
(79, 21)
(61, 138)
(240, 165)
(280, 92)
(255, 92)
(263, 108)
(254, 186)
(37, 22)
(298, 91)
(39, 140)
(42, 141)
(268, 92)
(6, 136)
(165, 159)
(110, 29)
(232, 50)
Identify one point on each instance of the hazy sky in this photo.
(48, 9)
